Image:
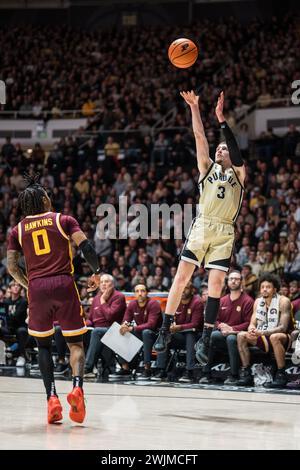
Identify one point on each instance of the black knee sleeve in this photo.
(46, 364)
(44, 342)
(74, 339)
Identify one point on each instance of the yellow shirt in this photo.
(112, 150)
(88, 108)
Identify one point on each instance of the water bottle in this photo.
(296, 354)
(14, 347)
(2, 353)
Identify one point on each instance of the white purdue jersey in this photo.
(221, 194)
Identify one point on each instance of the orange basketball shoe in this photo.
(76, 400)
(54, 410)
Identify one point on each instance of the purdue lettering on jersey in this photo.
(221, 194)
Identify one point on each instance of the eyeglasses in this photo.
(234, 279)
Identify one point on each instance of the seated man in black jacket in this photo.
(16, 320)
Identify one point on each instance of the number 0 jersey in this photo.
(45, 242)
(221, 194)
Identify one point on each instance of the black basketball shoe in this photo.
(163, 340)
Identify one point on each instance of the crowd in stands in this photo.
(267, 229)
(124, 76)
(152, 170)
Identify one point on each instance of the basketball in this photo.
(183, 53)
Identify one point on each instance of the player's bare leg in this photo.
(184, 273)
(77, 358)
(216, 279)
(76, 397)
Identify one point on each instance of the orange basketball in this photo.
(183, 53)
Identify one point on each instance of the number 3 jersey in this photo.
(221, 194)
(45, 242)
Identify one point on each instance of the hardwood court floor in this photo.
(149, 417)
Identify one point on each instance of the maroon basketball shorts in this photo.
(52, 299)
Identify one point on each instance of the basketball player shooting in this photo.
(211, 235)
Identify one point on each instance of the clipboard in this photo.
(126, 346)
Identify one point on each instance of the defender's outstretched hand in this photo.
(220, 107)
(190, 97)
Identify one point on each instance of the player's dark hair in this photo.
(31, 200)
(236, 271)
(269, 277)
(142, 283)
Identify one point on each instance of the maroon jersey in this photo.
(45, 242)
(296, 305)
(236, 313)
(103, 315)
(190, 315)
(146, 317)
